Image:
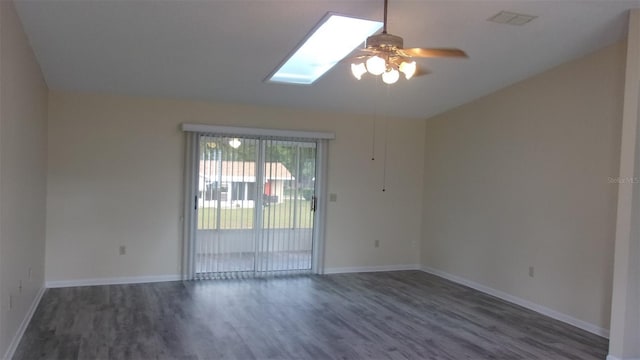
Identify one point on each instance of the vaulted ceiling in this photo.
(223, 50)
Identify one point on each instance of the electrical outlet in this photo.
(376, 243)
(531, 269)
(123, 250)
(333, 197)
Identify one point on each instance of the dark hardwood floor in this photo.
(392, 315)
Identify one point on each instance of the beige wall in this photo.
(23, 114)
(625, 302)
(116, 170)
(519, 178)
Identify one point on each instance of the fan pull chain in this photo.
(384, 163)
(373, 131)
(373, 140)
(386, 144)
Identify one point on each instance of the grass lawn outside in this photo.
(275, 216)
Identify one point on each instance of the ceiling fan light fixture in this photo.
(358, 70)
(408, 69)
(376, 65)
(391, 76)
(386, 55)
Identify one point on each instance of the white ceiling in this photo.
(222, 50)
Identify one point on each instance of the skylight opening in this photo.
(335, 37)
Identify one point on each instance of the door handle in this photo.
(314, 203)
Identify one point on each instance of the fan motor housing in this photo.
(384, 41)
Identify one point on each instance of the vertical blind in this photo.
(254, 206)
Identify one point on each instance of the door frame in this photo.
(190, 201)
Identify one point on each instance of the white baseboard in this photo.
(357, 269)
(23, 326)
(611, 357)
(594, 329)
(112, 281)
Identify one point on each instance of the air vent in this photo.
(511, 18)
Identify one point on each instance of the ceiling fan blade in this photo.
(353, 59)
(432, 53)
(360, 54)
(420, 71)
(397, 59)
(370, 50)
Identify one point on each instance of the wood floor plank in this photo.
(393, 315)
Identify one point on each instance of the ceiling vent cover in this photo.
(511, 18)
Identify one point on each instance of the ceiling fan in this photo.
(384, 54)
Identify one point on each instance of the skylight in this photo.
(331, 40)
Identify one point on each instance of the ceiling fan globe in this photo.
(358, 70)
(391, 76)
(376, 65)
(408, 69)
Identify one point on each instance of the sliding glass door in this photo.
(254, 207)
